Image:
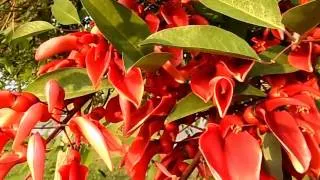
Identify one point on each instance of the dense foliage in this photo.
(164, 89)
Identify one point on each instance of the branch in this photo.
(191, 167)
(67, 119)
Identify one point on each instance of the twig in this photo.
(70, 142)
(67, 119)
(280, 53)
(185, 175)
(51, 127)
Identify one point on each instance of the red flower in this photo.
(225, 156)
(73, 170)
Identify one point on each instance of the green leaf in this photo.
(65, 12)
(74, 81)
(153, 61)
(264, 13)
(271, 150)
(31, 28)
(249, 90)
(302, 18)
(281, 65)
(121, 26)
(188, 105)
(205, 38)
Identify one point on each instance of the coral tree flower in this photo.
(73, 170)
(225, 156)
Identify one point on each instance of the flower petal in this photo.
(141, 142)
(56, 45)
(54, 95)
(239, 148)
(286, 130)
(211, 145)
(130, 85)
(300, 57)
(8, 117)
(238, 68)
(36, 156)
(200, 82)
(8, 161)
(274, 103)
(153, 22)
(95, 138)
(97, 63)
(7, 99)
(30, 118)
(222, 88)
(315, 153)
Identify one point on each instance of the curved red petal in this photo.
(315, 153)
(7, 99)
(293, 89)
(141, 142)
(286, 130)
(95, 137)
(133, 117)
(228, 122)
(211, 145)
(114, 144)
(222, 88)
(200, 82)
(130, 85)
(30, 118)
(54, 95)
(8, 161)
(56, 45)
(36, 156)
(97, 63)
(174, 72)
(8, 117)
(300, 57)
(239, 68)
(113, 111)
(274, 103)
(138, 172)
(236, 150)
(198, 20)
(153, 22)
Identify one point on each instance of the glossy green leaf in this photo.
(249, 90)
(271, 149)
(31, 28)
(74, 81)
(302, 18)
(264, 13)
(65, 12)
(119, 25)
(153, 61)
(204, 38)
(281, 65)
(188, 105)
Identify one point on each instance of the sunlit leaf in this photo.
(31, 28)
(204, 38)
(264, 13)
(65, 12)
(74, 81)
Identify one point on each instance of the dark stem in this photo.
(67, 119)
(191, 167)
